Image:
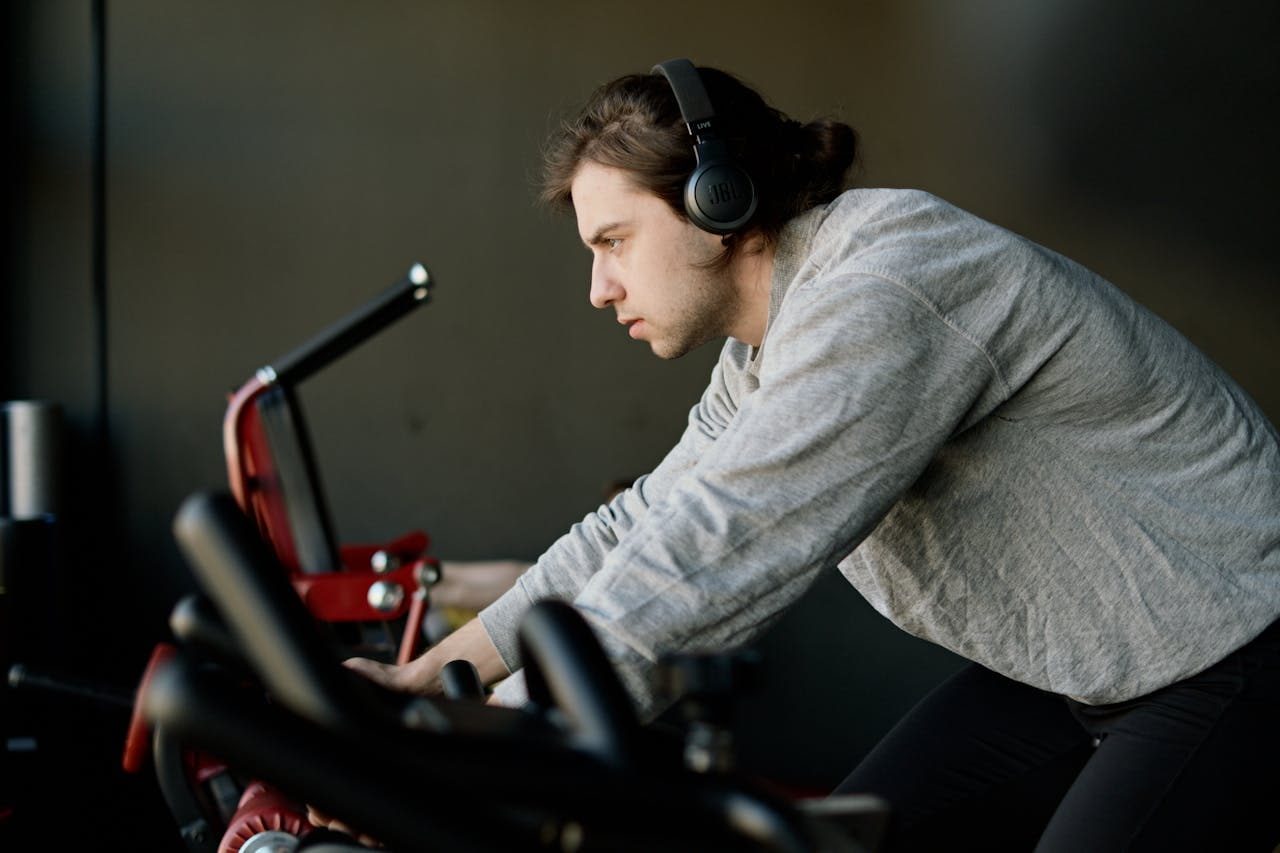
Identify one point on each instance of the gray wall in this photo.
(272, 165)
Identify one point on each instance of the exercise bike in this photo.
(250, 715)
(573, 771)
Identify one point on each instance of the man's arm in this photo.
(570, 563)
(489, 642)
(862, 383)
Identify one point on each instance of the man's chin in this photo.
(669, 351)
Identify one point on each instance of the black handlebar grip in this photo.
(461, 680)
(563, 660)
(358, 326)
(195, 621)
(265, 617)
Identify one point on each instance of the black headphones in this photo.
(719, 196)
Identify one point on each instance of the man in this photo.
(1004, 454)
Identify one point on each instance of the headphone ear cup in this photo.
(719, 197)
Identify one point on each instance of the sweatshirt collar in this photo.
(794, 242)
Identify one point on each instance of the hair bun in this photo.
(830, 145)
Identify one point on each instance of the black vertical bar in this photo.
(99, 238)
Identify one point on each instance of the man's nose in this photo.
(605, 287)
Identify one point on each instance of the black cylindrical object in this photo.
(29, 590)
(565, 666)
(460, 680)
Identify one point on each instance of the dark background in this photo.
(269, 166)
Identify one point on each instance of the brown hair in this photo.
(633, 123)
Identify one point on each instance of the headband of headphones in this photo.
(719, 196)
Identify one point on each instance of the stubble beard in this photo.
(703, 312)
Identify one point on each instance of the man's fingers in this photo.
(372, 670)
(323, 821)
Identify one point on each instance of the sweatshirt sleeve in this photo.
(569, 563)
(862, 383)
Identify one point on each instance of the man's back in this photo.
(1104, 473)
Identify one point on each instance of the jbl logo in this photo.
(723, 193)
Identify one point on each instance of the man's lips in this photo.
(633, 324)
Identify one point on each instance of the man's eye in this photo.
(613, 242)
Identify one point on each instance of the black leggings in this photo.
(986, 763)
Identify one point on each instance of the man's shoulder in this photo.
(869, 204)
(908, 231)
(864, 229)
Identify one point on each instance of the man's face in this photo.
(650, 264)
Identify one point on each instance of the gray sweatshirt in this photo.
(1004, 454)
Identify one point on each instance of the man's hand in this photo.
(413, 677)
(422, 676)
(323, 821)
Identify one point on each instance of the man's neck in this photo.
(753, 279)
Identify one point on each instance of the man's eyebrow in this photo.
(598, 237)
